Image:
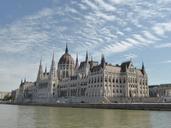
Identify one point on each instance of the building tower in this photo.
(40, 71)
(143, 68)
(86, 56)
(66, 66)
(52, 73)
(77, 63)
(53, 79)
(103, 61)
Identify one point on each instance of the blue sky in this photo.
(121, 29)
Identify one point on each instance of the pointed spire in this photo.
(76, 65)
(91, 62)
(41, 61)
(53, 56)
(40, 71)
(77, 57)
(66, 49)
(53, 59)
(53, 67)
(86, 56)
(103, 60)
(143, 68)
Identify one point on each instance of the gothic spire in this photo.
(103, 60)
(76, 65)
(53, 57)
(143, 68)
(91, 62)
(66, 49)
(86, 56)
(40, 71)
(40, 61)
(53, 67)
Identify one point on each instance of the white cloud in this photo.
(90, 4)
(150, 36)
(164, 45)
(106, 6)
(105, 16)
(119, 1)
(161, 28)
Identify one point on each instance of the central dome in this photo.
(66, 65)
(66, 58)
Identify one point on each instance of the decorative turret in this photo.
(77, 63)
(40, 72)
(143, 68)
(103, 61)
(53, 74)
(66, 49)
(86, 56)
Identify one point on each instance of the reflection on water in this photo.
(53, 117)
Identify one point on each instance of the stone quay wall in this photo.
(127, 106)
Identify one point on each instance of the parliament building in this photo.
(86, 82)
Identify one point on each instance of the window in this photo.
(124, 81)
(110, 79)
(113, 80)
(116, 80)
(105, 79)
(53, 85)
(101, 79)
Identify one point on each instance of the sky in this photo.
(120, 29)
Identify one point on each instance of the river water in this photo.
(13, 116)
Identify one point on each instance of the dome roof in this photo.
(66, 58)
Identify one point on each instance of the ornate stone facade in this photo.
(89, 82)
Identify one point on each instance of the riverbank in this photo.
(127, 106)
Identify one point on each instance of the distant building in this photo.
(3, 94)
(89, 81)
(162, 90)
